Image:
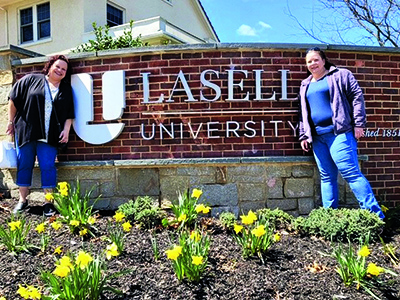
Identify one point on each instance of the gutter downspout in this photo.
(7, 33)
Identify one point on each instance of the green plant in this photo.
(390, 251)
(80, 277)
(143, 212)
(255, 236)
(74, 207)
(44, 236)
(14, 235)
(104, 41)
(227, 219)
(116, 236)
(341, 224)
(352, 267)
(276, 218)
(154, 246)
(189, 259)
(187, 209)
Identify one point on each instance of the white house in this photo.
(50, 26)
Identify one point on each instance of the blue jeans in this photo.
(335, 153)
(46, 155)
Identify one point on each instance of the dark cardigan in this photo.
(29, 99)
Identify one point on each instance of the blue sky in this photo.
(268, 21)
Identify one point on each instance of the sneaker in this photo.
(49, 210)
(20, 207)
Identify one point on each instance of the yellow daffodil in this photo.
(206, 209)
(66, 262)
(61, 271)
(249, 219)
(364, 251)
(174, 253)
(74, 223)
(34, 293)
(238, 228)
(182, 218)
(373, 269)
(14, 225)
(49, 197)
(63, 185)
(23, 292)
(111, 250)
(259, 231)
(91, 220)
(119, 216)
(56, 225)
(277, 237)
(199, 208)
(196, 193)
(197, 260)
(384, 208)
(83, 259)
(83, 232)
(195, 236)
(64, 193)
(3, 298)
(58, 250)
(41, 228)
(127, 226)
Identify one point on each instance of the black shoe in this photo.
(49, 210)
(20, 207)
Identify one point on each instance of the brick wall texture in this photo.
(377, 73)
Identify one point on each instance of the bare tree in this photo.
(378, 19)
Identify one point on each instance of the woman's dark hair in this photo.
(321, 53)
(52, 60)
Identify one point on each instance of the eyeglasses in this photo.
(313, 49)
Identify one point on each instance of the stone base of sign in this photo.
(236, 185)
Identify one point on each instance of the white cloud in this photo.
(246, 30)
(264, 25)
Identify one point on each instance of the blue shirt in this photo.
(319, 100)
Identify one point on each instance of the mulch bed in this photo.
(286, 273)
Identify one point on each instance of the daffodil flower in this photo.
(41, 228)
(127, 226)
(182, 218)
(373, 269)
(384, 208)
(91, 220)
(66, 262)
(83, 232)
(34, 293)
(174, 253)
(364, 251)
(56, 225)
(61, 271)
(74, 223)
(49, 197)
(111, 250)
(58, 250)
(83, 259)
(23, 292)
(196, 193)
(199, 208)
(259, 231)
(277, 237)
(197, 260)
(195, 236)
(14, 225)
(119, 216)
(238, 228)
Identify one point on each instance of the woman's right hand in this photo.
(10, 129)
(306, 146)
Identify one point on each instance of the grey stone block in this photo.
(101, 204)
(303, 171)
(306, 205)
(276, 170)
(245, 178)
(167, 172)
(274, 188)
(198, 180)
(251, 192)
(217, 211)
(219, 194)
(299, 187)
(286, 205)
(254, 170)
(116, 202)
(244, 207)
(196, 171)
(107, 189)
(171, 186)
(138, 182)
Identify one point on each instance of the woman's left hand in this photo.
(358, 132)
(64, 136)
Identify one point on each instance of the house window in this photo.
(114, 16)
(35, 22)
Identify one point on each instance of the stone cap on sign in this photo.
(200, 47)
(192, 161)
